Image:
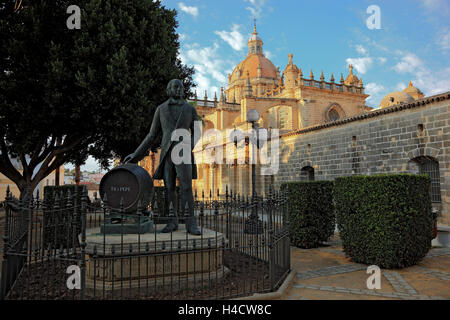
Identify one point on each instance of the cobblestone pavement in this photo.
(330, 271)
(326, 274)
(399, 284)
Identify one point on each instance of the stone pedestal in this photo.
(153, 259)
(137, 225)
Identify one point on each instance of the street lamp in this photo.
(253, 117)
(253, 225)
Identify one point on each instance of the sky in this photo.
(412, 43)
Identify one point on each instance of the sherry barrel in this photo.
(129, 182)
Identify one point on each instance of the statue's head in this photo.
(175, 89)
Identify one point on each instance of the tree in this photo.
(95, 89)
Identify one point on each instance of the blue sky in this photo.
(412, 44)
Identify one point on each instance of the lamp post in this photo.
(253, 117)
(253, 225)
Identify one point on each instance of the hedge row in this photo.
(385, 220)
(310, 206)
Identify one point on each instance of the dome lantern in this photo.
(255, 44)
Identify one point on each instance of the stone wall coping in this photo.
(374, 113)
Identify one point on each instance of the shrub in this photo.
(384, 220)
(311, 212)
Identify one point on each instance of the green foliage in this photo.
(311, 212)
(95, 89)
(384, 220)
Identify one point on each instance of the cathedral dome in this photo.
(256, 65)
(413, 91)
(249, 68)
(394, 98)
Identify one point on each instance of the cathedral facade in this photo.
(324, 130)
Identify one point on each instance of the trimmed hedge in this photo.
(384, 220)
(311, 212)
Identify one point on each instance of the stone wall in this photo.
(382, 141)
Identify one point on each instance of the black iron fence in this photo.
(51, 252)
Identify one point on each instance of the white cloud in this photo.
(382, 60)
(361, 50)
(182, 36)
(430, 82)
(269, 55)
(189, 10)
(234, 38)
(440, 6)
(209, 68)
(409, 63)
(256, 7)
(376, 92)
(374, 88)
(400, 86)
(443, 39)
(360, 64)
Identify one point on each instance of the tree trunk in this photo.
(26, 192)
(77, 175)
(58, 143)
(57, 176)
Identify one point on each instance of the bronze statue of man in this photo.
(173, 114)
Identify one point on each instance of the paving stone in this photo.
(438, 252)
(331, 271)
(397, 281)
(434, 273)
(390, 295)
(401, 288)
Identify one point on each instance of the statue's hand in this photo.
(131, 158)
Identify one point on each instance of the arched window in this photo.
(430, 166)
(307, 173)
(333, 115)
(285, 118)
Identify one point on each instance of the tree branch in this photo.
(7, 168)
(26, 172)
(38, 158)
(56, 158)
(44, 171)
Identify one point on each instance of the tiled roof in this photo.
(250, 65)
